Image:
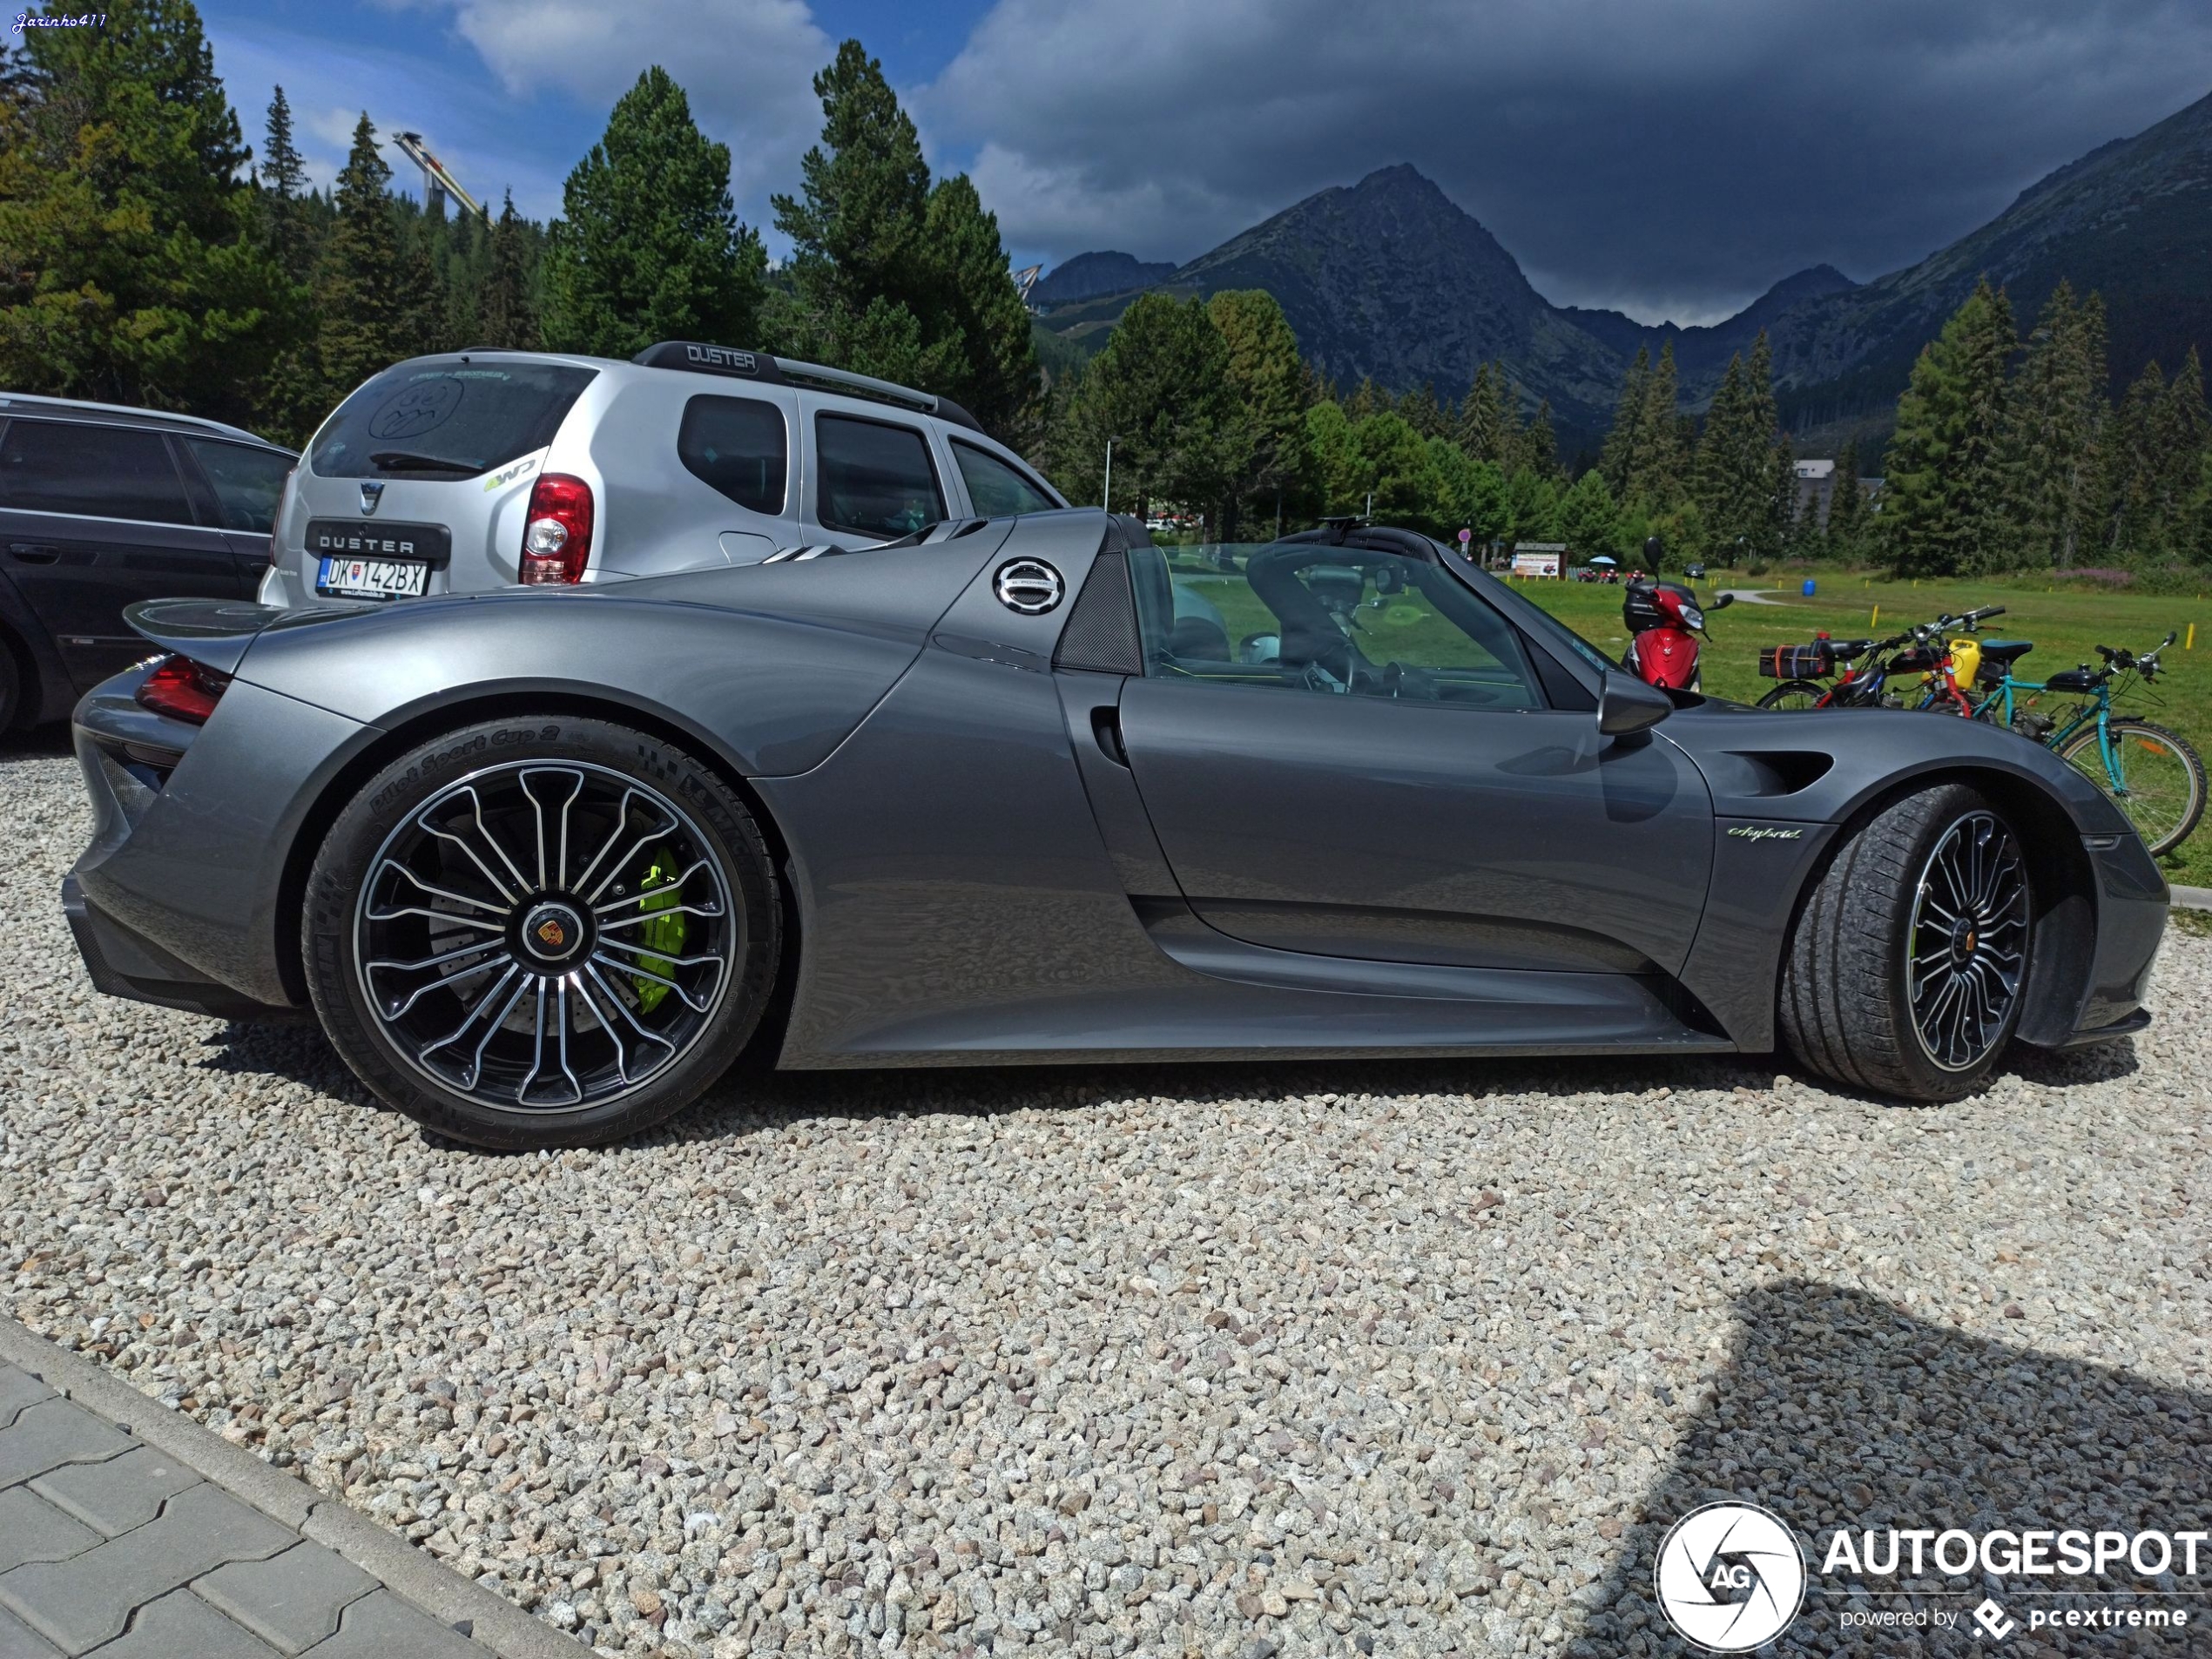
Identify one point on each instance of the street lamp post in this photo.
(1107, 494)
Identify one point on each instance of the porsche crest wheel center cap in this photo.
(553, 931)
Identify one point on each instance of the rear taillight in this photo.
(557, 533)
(276, 524)
(183, 690)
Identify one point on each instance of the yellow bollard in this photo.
(1876, 617)
(2190, 642)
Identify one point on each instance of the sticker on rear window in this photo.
(417, 409)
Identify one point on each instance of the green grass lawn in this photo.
(2064, 623)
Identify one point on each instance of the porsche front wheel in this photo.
(541, 932)
(1905, 969)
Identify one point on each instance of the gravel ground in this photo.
(1403, 1358)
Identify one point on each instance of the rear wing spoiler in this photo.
(216, 632)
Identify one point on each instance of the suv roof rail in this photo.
(40, 401)
(699, 358)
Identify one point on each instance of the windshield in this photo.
(1532, 616)
(446, 416)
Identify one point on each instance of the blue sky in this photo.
(1672, 158)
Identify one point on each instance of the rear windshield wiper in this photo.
(400, 461)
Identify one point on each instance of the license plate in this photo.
(388, 578)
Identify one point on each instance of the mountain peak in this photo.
(1086, 276)
(1390, 278)
(1399, 172)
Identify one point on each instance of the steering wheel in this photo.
(1412, 684)
(1314, 677)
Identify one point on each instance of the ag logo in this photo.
(1730, 1577)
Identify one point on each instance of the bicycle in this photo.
(2153, 773)
(1867, 665)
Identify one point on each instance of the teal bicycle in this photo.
(2152, 773)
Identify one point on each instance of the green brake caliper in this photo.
(665, 932)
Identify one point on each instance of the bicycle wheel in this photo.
(1795, 694)
(2159, 781)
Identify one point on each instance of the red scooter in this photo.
(1664, 620)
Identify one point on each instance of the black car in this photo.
(1694, 572)
(101, 506)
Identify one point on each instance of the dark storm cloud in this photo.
(1673, 159)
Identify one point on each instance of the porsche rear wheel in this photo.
(1905, 971)
(541, 932)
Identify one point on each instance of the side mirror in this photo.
(1626, 706)
(1723, 603)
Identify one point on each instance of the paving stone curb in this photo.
(2192, 898)
(490, 1619)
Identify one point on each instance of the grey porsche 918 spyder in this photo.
(545, 861)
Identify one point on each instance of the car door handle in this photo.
(1106, 727)
(35, 552)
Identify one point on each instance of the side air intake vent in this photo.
(1101, 634)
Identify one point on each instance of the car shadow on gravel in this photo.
(40, 743)
(1836, 1409)
(754, 1098)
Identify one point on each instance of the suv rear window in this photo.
(97, 471)
(469, 416)
(876, 477)
(997, 490)
(738, 445)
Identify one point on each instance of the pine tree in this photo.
(130, 268)
(1539, 444)
(994, 373)
(507, 316)
(283, 178)
(2181, 436)
(1740, 500)
(2053, 429)
(1366, 398)
(373, 285)
(893, 276)
(1844, 535)
(1945, 487)
(648, 247)
(1267, 380)
(1420, 410)
(1618, 458)
(1659, 480)
(2198, 546)
(1489, 427)
(2128, 486)
(860, 225)
(1160, 390)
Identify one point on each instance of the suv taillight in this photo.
(276, 524)
(183, 690)
(556, 533)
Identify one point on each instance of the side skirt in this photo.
(1242, 1002)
